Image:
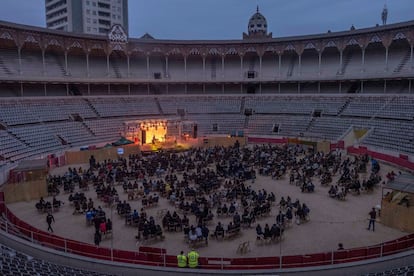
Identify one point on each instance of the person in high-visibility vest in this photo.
(182, 259)
(193, 259)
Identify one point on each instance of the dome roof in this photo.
(257, 23)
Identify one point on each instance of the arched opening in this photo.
(330, 60)
(98, 67)
(399, 54)
(309, 63)
(176, 66)
(77, 66)
(9, 58)
(32, 61)
(118, 65)
(374, 58)
(55, 64)
(270, 66)
(290, 63)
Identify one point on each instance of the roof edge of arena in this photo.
(328, 35)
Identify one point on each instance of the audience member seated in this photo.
(219, 231)
(259, 232)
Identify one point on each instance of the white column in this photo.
(222, 66)
(148, 67)
(363, 60)
(107, 65)
(386, 59)
(241, 67)
(43, 63)
(280, 67)
(341, 53)
(204, 68)
(411, 58)
(185, 67)
(19, 55)
(319, 62)
(300, 64)
(260, 70)
(128, 67)
(166, 67)
(87, 64)
(66, 63)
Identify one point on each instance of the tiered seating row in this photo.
(295, 105)
(42, 126)
(15, 112)
(201, 105)
(15, 263)
(109, 107)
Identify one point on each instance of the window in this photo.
(94, 4)
(88, 11)
(94, 12)
(88, 29)
(95, 21)
(88, 20)
(88, 3)
(119, 17)
(114, 16)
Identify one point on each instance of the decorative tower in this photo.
(257, 27)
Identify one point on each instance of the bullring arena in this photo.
(298, 108)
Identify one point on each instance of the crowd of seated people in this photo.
(391, 176)
(174, 222)
(197, 235)
(123, 208)
(212, 179)
(149, 230)
(47, 206)
(338, 193)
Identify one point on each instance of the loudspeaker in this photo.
(195, 131)
(275, 128)
(143, 137)
(157, 75)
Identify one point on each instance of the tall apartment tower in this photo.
(86, 16)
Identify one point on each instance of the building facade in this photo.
(90, 16)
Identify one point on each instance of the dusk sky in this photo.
(227, 19)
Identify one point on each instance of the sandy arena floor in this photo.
(331, 221)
